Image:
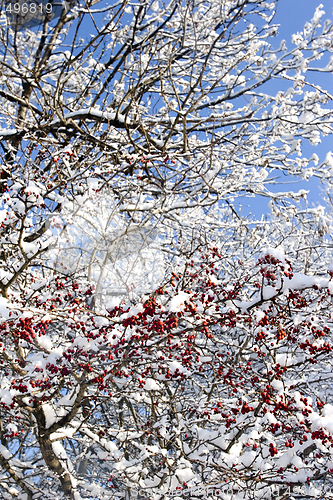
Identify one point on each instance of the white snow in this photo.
(9, 131)
(4, 452)
(82, 113)
(155, 6)
(185, 475)
(112, 303)
(286, 458)
(314, 158)
(300, 281)
(177, 302)
(4, 308)
(326, 420)
(134, 310)
(268, 292)
(49, 413)
(259, 315)
(82, 342)
(6, 396)
(174, 365)
(92, 183)
(60, 452)
(248, 457)
(277, 252)
(46, 342)
(283, 359)
(278, 386)
(152, 385)
(329, 159)
(101, 321)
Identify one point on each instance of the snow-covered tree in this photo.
(154, 342)
(206, 388)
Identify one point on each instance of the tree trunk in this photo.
(54, 464)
